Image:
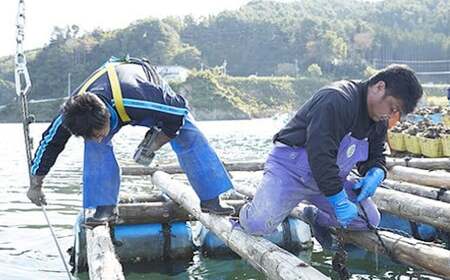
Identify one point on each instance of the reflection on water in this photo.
(27, 250)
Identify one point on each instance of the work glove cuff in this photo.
(338, 198)
(377, 172)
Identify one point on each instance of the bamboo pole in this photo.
(262, 254)
(419, 176)
(424, 191)
(175, 169)
(422, 163)
(409, 251)
(102, 260)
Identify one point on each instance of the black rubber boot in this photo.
(103, 215)
(321, 233)
(213, 206)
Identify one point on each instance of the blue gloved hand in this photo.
(369, 183)
(344, 209)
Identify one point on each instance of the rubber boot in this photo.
(103, 215)
(213, 206)
(321, 233)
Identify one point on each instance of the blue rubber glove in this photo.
(344, 209)
(369, 183)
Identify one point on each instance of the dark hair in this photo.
(402, 83)
(82, 114)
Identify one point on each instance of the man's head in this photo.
(87, 116)
(393, 89)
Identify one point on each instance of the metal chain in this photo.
(23, 86)
(22, 80)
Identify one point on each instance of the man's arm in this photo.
(376, 157)
(52, 143)
(374, 169)
(328, 121)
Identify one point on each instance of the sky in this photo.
(43, 15)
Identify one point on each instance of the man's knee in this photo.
(255, 224)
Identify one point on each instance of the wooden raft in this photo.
(274, 262)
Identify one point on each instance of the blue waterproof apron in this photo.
(205, 171)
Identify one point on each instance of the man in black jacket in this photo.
(340, 126)
(121, 92)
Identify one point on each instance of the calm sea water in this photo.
(27, 250)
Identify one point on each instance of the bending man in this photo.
(127, 92)
(340, 126)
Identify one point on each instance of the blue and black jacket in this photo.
(148, 100)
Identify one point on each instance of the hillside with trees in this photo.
(309, 39)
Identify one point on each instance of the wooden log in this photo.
(422, 163)
(151, 212)
(413, 207)
(102, 260)
(439, 178)
(154, 196)
(425, 255)
(262, 254)
(160, 212)
(158, 196)
(175, 169)
(424, 191)
(410, 251)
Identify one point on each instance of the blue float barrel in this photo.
(420, 231)
(139, 242)
(292, 235)
(153, 241)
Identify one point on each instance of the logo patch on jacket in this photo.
(351, 150)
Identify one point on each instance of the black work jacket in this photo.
(322, 122)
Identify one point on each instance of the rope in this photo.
(440, 193)
(339, 262)
(23, 86)
(375, 230)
